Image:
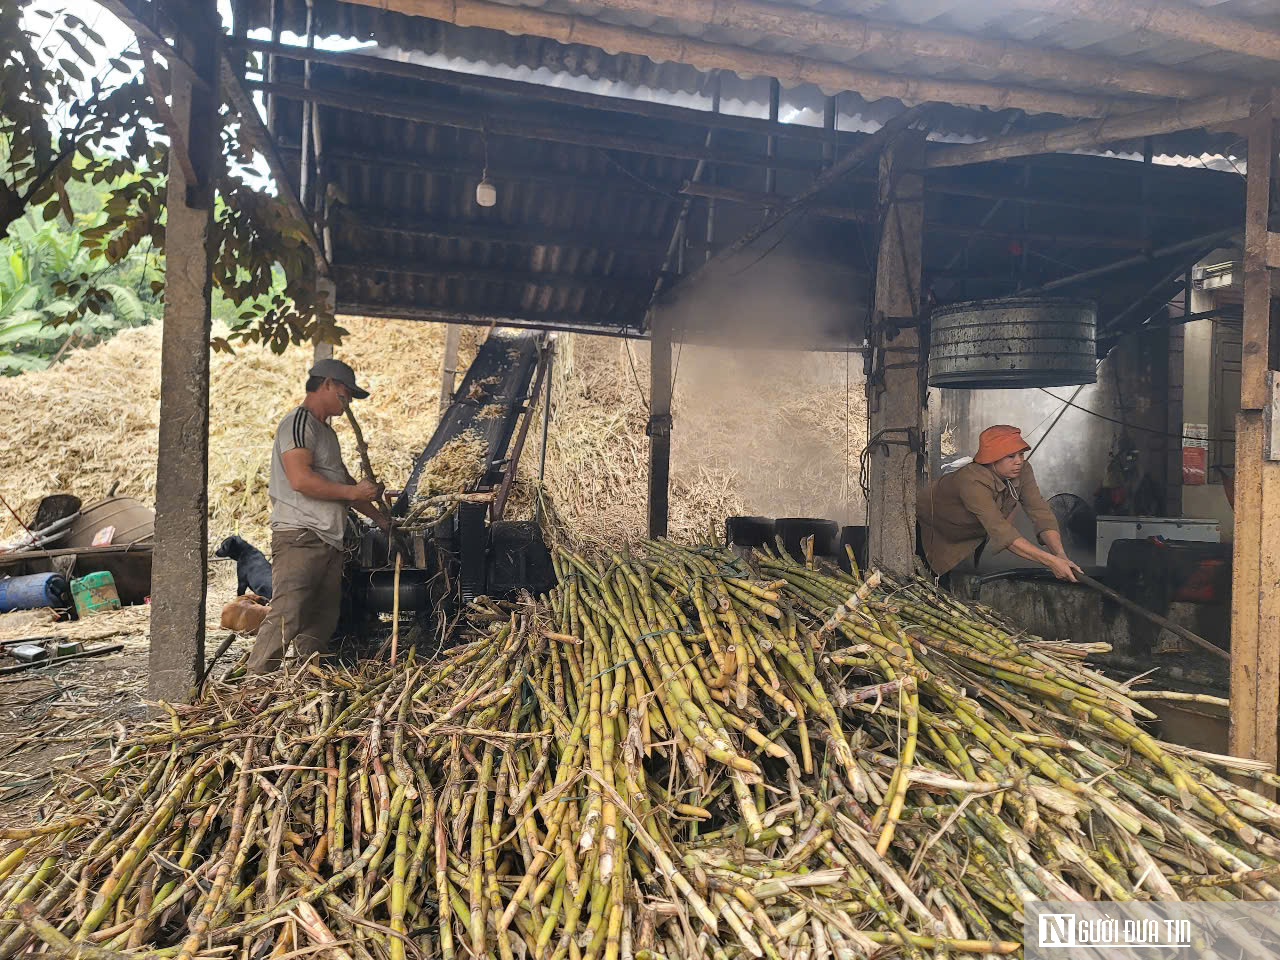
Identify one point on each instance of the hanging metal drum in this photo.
(1014, 342)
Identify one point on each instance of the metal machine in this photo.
(471, 550)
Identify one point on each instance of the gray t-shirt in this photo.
(291, 510)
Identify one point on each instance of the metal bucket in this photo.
(1011, 343)
(132, 522)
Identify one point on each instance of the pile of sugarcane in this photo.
(678, 753)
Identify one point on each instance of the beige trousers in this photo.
(306, 597)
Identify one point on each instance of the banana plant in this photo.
(38, 262)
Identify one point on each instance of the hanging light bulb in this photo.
(486, 193)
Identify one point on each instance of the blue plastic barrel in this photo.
(33, 591)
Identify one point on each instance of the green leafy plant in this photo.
(58, 135)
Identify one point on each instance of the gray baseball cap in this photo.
(339, 371)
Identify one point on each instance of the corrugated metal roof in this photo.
(990, 19)
(579, 234)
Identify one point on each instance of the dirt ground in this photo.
(57, 719)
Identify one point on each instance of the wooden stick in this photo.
(362, 449)
(1155, 618)
(52, 661)
(395, 610)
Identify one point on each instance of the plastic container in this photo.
(33, 591)
(95, 592)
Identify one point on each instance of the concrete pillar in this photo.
(895, 391)
(1255, 587)
(182, 501)
(659, 428)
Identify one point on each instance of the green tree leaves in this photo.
(56, 137)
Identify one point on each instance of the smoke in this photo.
(783, 424)
(779, 424)
(774, 299)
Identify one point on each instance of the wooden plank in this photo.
(449, 364)
(1082, 136)
(1273, 251)
(1060, 69)
(659, 429)
(1181, 20)
(179, 570)
(1244, 737)
(1267, 702)
(896, 411)
(1256, 351)
(792, 70)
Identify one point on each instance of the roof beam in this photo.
(869, 148)
(766, 201)
(502, 170)
(1054, 68)
(1172, 20)
(143, 22)
(423, 225)
(254, 131)
(1161, 208)
(1171, 210)
(1039, 239)
(791, 71)
(564, 322)
(1083, 136)
(512, 123)
(625, 284)
(548, 94)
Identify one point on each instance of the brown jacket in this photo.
(959, 510)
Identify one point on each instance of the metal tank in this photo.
(1013, 342)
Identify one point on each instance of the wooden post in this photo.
(182, 499)
(771, 144)
(896, 389)
(329, 292)
(449, 366)
(1255, 587)
(659, 428)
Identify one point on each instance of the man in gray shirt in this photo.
(310, 490)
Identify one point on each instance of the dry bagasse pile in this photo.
(756, 432)
(91, 421)
(677, 753)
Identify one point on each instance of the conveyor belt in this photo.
(498, 376)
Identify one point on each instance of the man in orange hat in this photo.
(971, 508)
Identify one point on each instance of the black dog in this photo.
(253, 570)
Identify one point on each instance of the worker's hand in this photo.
(1063, 568)
(366, 491)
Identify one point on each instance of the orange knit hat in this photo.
(997, 442)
